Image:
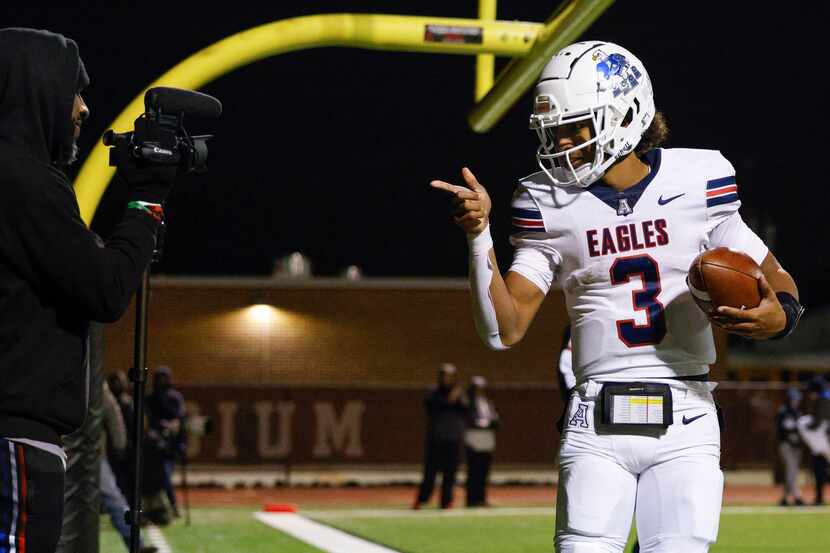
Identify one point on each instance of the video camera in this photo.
(160, 137)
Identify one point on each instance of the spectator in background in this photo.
(446, 409)
(120, 462)
(480, 441)
(112, 500)
(789, 446)
(120, 388)
(166, 417)
(814, 432)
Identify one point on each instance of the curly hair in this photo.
(656, 135)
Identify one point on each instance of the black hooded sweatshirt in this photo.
(55, 274)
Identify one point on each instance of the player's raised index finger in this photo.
(451, 188)
(460, 192)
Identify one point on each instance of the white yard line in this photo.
(154, 536)
(319, 535)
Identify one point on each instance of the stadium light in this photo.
(267, 318)
(262, 314)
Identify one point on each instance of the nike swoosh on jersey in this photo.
(693, 419)
(661, 201)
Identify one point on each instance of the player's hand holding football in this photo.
(760, 323)
(471, 205)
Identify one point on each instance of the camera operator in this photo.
(166, 413)
(55, 275)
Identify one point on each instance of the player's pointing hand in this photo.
(471, 205)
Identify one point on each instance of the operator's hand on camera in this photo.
(471, 203)
(146, 182)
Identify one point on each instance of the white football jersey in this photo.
(621, 259)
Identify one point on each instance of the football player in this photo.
(616, 220)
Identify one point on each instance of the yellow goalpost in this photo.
(530, 44)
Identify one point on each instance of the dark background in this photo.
(330, 151)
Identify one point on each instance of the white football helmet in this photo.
(600, 83)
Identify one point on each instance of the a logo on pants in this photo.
(580, 418)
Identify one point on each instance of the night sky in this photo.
(330, 151)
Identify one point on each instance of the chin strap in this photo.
(481, 275)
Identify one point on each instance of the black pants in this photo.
(31, 498)
(439, 456)
(820, 472)
(478, 473)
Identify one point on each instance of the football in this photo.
(724, 277)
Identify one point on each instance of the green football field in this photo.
(215, 530)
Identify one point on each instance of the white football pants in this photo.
(670, 479)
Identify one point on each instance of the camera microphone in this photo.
(176, 100)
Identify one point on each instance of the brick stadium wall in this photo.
(209, 334)
(313, 355)
(354, 425)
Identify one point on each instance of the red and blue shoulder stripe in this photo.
(527, 220)
(721, 191)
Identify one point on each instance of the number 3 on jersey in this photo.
(644, 299)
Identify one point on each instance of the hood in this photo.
(40, 73)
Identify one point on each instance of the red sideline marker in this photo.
(280, 508)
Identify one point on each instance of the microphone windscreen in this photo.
(179, 100)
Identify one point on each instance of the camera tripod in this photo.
(159, 139)
(138, 375)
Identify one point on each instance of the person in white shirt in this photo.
(479, 441)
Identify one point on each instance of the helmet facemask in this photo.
(557, 163)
